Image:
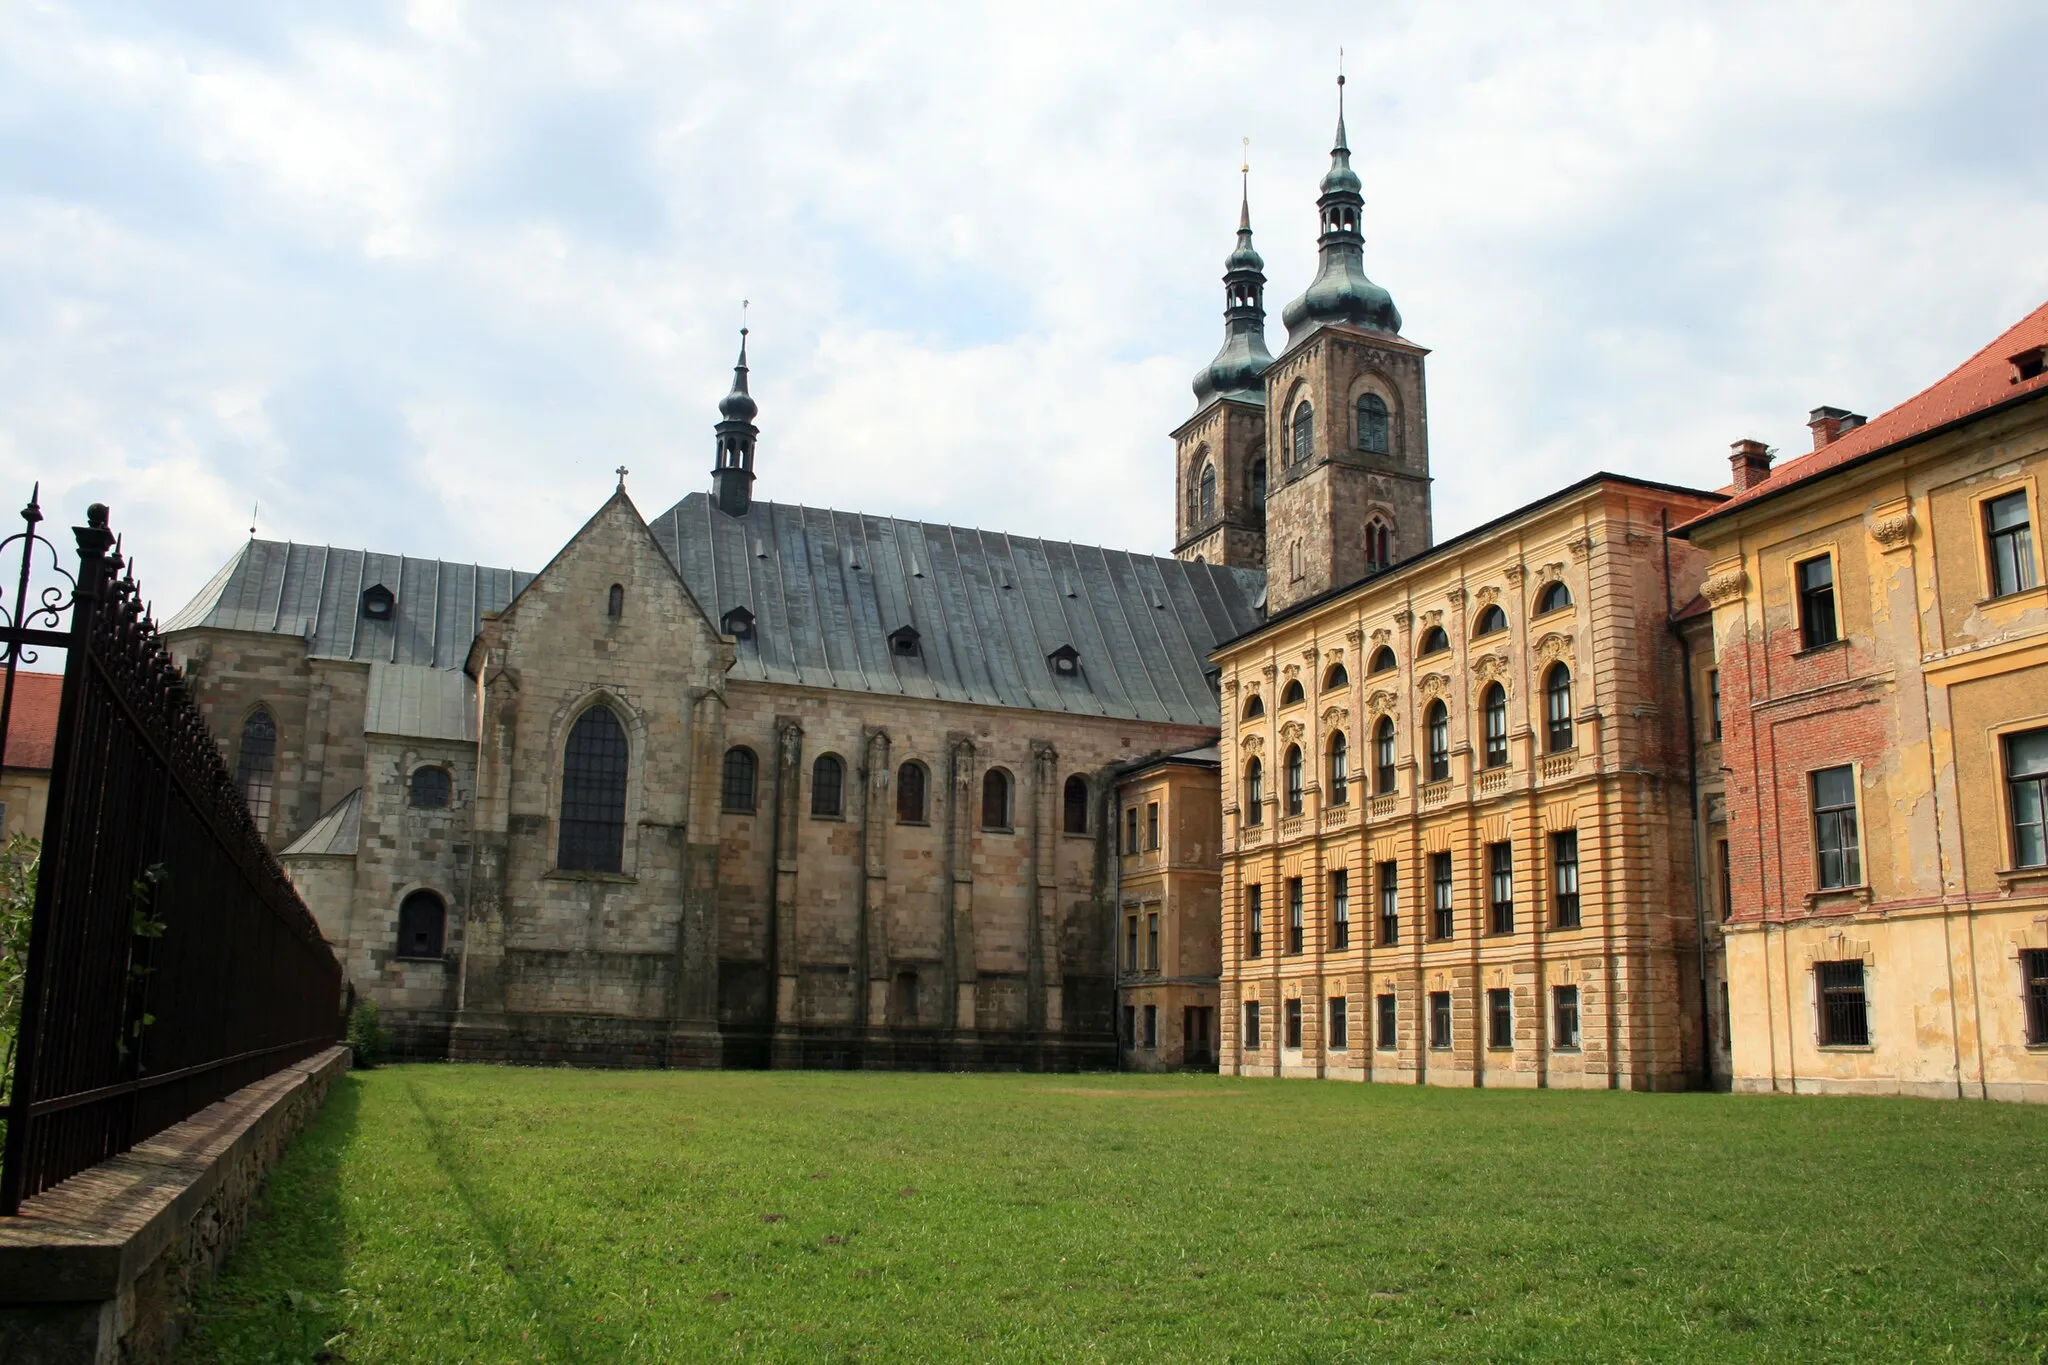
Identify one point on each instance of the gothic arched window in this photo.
(995, 799)
(1207, 499)
(1383, 757)
(1254, 792)
(1557, 708)
(593, 837)
(1258, 487)
(1491, 621)
(1076, 803)
(256, 766)
(910, 793)
(1436, 720)
(1304, 432)
(1493, 703)
(422, 924)
(1294, 779)
(1372, 424)
(736, 789)
(828, 786)
(1379, 546)
(1382, 661)
(1554, 597)
(1340, 770)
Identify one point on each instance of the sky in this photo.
(417, 277)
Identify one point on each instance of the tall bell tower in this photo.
(1347, 440)
(1220, 452)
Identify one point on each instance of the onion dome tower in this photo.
(1340, 292)
(1237, 369)
(732, 478)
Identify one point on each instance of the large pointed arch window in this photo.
(1304, 432)
(1206, 500)
(593, 836)
(1372, 424)
(256, 766)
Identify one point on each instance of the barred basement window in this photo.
(911, 784)
(828, 787)
(1500, 860)
(1817, 625)
(1500, 1020)
(1389, 1036)
(256, 766)
(2026, 786)
(1293, 1023)
(1844, 1010)
(1441, 913)
(2034, 976)
(1254, 920)
(429, 789)
(2011, 538)
(1340, 908)
(1834, 827)
(1297, 931)
(422, 923)
(1075, 800)
(593, 837)
(1251, 1026)
(1564, 1027)
(1564, 866)
(1493, 702)
(736, 788)
(1439, 1020)
(1390, 903)
(1340, 1024)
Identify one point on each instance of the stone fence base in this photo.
(97, 1268)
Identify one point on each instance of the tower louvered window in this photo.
(593, 837)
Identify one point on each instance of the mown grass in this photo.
(472, 1213)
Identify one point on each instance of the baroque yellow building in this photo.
(1880, 636)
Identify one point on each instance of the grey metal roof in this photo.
(420, 703)
(828, 588)
(334, 834)
(316, 591)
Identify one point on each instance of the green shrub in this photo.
(366, 1034)
(18, 861)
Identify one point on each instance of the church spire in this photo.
(732, 478)
(1237, 367)
(1340, 291)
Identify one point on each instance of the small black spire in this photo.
(732, 477)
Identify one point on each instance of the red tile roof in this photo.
(1985, 380)
(32, 724)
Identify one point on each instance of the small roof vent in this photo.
(903, 642)
(378, 603)
(738, 623)
(1065, 662)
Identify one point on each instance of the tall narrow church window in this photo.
(995, 799)
(256, 767)
(1372, 424)
(615, 601)
(593, 835)
(1304, 432)
(1208, 495)
(910, 794)
(422, 922)
(1258, 488)
(736, 790)
(1076, 803)
(828, 786)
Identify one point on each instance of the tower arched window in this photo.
(1254, 792)
(1554, 597)
(1076, 804)
(911, 782)
(1436, 722)
(1340, 770)
(1207, 499)
(615, 601)
(1383, 757)
(1292, 769)
(828, 786)
(736, 790)
(1304, 432)
(1557, 708)
(593, 837)
(1372, 424)
(995, 799)
(1492, 620)
(1258, 488)
(1493, 704)
(1379, 546)
(422, 925)
(256, 766)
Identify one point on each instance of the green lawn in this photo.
(446, 1213)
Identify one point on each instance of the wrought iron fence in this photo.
(170, 961)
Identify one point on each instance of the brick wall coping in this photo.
(89, 1237)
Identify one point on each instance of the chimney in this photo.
(1751, 461)
(1830, 425)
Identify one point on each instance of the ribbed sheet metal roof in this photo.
(828, 588)
(420, 703)
(335, 834)
(316, 592)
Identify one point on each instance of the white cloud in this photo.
(421, 276)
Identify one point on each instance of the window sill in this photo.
(1569, 1051)
(564, 874)
(840, 819)
(1806, 650)
(1839, 896)
(998, 829)
(438, 960)
(1847, 1047)
(2037, 593)
(733, 810)
(915, 824)
(2013, 877)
